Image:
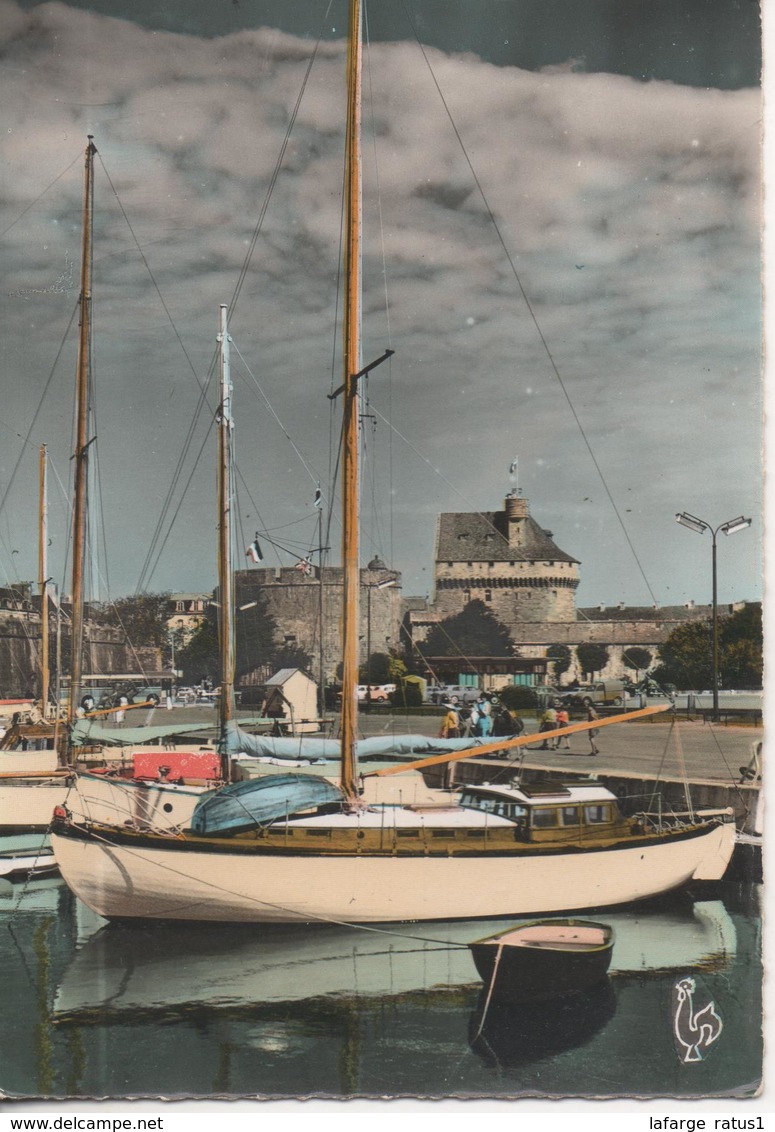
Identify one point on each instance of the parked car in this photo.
(377, 693)
(455, 694)
(604, 693)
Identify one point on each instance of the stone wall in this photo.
(20, 652)
(295, 601)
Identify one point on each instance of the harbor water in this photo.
(141, 1010)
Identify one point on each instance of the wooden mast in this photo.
(43, 582)
(352, 366)
(225, 573)
(81, 455)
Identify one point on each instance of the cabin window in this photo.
(318, 833)
(408, 833)
(442, 833)
(475, 832)
(570, 815)
(545, 818)
(597, 815)
(286, 832)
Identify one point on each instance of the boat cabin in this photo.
(549, 811)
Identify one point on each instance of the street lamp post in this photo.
(729, 528)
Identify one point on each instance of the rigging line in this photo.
(32, 204)
(305, 464)
(152, 277)
(40, 406)
(278, 165)
(531, 311)
(203, 387)
(142, 580)
(152, 568)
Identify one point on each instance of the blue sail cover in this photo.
(315, 748)
(260, 800)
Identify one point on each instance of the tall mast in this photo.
(225, 572)
(43, 581)
(81, 455)
(352, 366)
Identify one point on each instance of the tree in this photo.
(143, 618)
(201, 657)
(376, 670)
(637, 658)
(475, 631)
(592, 658)
(687, 654)
(560, 657)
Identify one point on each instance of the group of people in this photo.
(555, 717)
(488, 718)
(485, 718)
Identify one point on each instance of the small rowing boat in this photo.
(544, 959)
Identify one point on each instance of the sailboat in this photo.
(39, 758)
(297, 847)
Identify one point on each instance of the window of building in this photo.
(488, 595)
(466, 595)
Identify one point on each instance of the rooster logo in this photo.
(694, 1030)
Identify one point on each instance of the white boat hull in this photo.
(27, 802)
(174, 882)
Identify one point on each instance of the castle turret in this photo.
(506, 560)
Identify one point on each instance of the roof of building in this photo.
(479, 536)
(283, 676)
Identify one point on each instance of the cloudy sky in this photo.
(562, 216)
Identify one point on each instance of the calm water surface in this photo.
(92, 1009)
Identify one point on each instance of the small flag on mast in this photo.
(304, 566)
(253, 552)
(318, 499)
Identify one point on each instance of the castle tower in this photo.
(506, 560)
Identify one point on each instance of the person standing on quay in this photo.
(563, 719)
(592, 714)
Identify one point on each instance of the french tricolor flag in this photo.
(253, 552)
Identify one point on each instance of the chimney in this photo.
(689, 605)
(601, 607)
(621, 605)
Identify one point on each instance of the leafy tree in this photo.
(637, 658)
(517, 697)
(143, 618)
(475, 631)
(560, 656)
(200, 657)
(592, 658)
(687, 654)
(376, 670)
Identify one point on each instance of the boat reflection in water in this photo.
(239, 1010)
(153, 969)
(506, 1035)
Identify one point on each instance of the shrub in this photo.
(517, 697)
